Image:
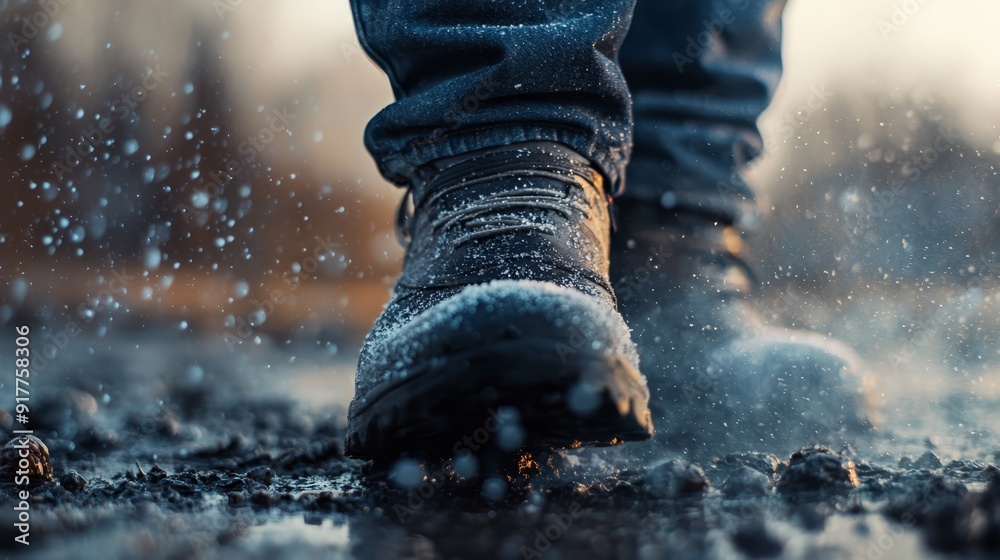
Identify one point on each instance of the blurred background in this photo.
(199, 241)
(199, 164)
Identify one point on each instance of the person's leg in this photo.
(720, 378)
(510, 129)
(701, 73)
(474, 75)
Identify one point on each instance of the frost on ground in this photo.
(170, 448)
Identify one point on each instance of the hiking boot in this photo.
(720, 378)
(503, 328)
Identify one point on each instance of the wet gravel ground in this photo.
(166, 445)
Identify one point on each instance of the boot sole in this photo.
(593, 398)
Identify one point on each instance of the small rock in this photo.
(676, 478)
(167, 423)
(761, 462)
(746, 482)
(818, 468)
(156, 474)
(37, 465)
(82, 405)
(929, 460)
(992, 475)
(73, 481)
(182, 488)
(262, 475)
(227, 464)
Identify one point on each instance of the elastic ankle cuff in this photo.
(522, 158)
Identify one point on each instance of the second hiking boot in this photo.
(503, 329)
(722, 379)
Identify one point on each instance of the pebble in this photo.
(73, 481)
(745, 482)
(818, 468)
(39, 464)
(676, 478)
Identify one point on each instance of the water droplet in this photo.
(199, 199)
(241, 289)
(152, 257)
(55, 32)
(406, 474)
(194, 373)
(77, 234)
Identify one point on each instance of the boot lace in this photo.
(494, 214)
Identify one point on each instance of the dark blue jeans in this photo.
(678, 82)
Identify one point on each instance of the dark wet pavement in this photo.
(241, 457)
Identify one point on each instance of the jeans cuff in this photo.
(728, 199)
(398, 166)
